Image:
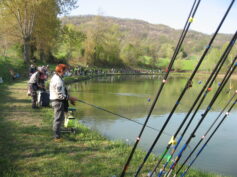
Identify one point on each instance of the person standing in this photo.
(59, 98)
(34, 85)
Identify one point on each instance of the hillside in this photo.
(157, 34)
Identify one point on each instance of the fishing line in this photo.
(184, 32)
(210, 81)
(103, 109)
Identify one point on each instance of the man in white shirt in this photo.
(59, 98)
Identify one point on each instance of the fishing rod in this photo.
(119, 115)
(210, 81)
(189, 82)
(192, 135)
(227, 114)
(204, 136)
(181, 39)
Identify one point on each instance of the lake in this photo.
(132, 96)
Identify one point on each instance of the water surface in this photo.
(132, 96)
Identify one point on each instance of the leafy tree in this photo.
(166, 51)
(102, 45)
(26, 16)
(69, 41)
(46, 30)
(211, 59)
(130, 53)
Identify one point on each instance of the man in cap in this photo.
(34, 85)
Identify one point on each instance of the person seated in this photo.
(12, 73)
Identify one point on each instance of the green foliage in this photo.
(130, 53)
(99, 41)
(33, 23)
(211, 59)
(185, 65)
(69, 43)
(146, 60)
(163, 62)
(15, 64)
(165, 51)
(138, 39)
(102, 45)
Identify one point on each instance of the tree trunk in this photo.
(42, 55)
(26, 50)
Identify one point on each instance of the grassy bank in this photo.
(27, 148)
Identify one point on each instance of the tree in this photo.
(46, 30)
(211, 59)
(111, 46)
(28, 15)
(130, 53)
(102, 45)
(70, 41)
(166, 51)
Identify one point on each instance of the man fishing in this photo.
(59, 97)
(34, 85)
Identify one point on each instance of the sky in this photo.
(172, 13)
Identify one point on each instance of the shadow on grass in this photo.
(7, 147)
(10, 144)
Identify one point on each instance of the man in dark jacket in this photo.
(34, 85)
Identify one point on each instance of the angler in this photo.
(59, 97)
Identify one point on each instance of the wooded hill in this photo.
(98, 40)
(143, 43)
(157, 34)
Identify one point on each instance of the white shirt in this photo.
(57, 88)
